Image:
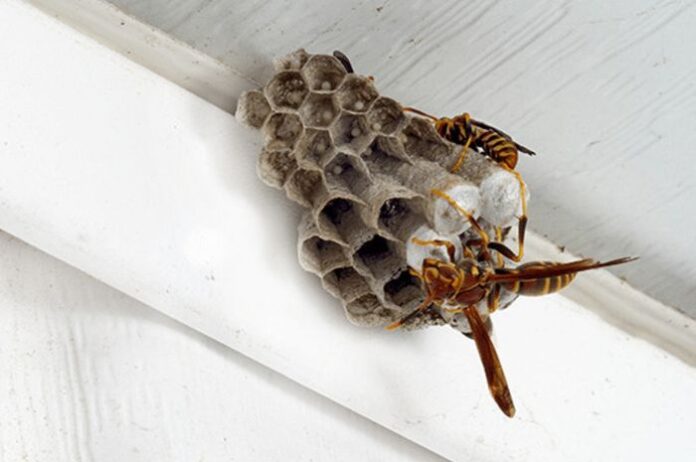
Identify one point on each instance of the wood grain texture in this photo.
(605, 92)
(89, 374)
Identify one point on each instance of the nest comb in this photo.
(364, 171)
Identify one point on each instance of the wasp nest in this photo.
(364, 170)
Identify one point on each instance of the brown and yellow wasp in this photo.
(458, 286)
(491, 142)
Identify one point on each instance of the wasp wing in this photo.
(519, 147)
(497, 384)
(538, 270)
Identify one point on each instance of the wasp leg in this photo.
(499, 238)
(493, 298)
(422, 307)
(466, 131)
(462, 155)
(468, 253)
(451, 249)
(419, 112)
(521, 224)
(483, 235)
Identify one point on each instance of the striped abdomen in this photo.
(537, 286)
(497, 147)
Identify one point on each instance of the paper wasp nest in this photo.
(364, 171)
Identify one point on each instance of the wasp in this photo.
(458, 286)
(491, 142)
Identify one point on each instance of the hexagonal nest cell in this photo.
(385, 116)
(348, 173)
(324, 73)
(315, 148)
(322, 256)
(319, 111)
(422, 141)
(340, 217)
(254, 109)
(351, 132)
(385, 155)
(364, 170)
(305, 186)
(369, 311)
(274, 167)
(286, 90)
(379, 257)
(399, 217)
(282, 131)
(346, 283)
(405, 291)
(357, 94)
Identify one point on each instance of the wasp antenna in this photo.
(422, 307)
(617, 261)
(419, 112)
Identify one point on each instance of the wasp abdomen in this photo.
(538, 286)
(498, 148)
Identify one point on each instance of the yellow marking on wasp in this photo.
(516, 286)
(547, 286)
(499, 238)
(430, 274)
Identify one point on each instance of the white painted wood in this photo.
(89, 374)
(603, 91)
(189, 68)
(173, 215)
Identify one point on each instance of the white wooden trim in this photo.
(148, 46)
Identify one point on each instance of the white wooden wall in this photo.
(605, 92)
